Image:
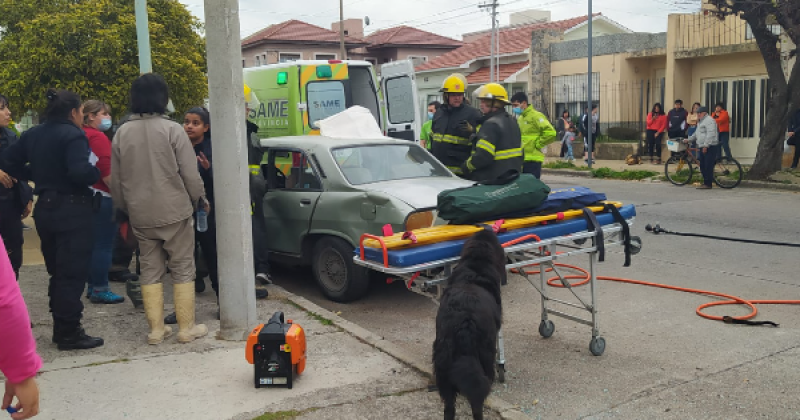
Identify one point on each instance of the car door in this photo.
(293, 192)
(402, 101)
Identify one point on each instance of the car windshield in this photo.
(386, 162)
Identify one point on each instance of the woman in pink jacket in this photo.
(18, 359)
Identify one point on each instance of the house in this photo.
(295, 40)
(472, 59)
(405, 43)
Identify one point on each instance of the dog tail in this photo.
(469, 378)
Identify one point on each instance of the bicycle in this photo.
(679, 168)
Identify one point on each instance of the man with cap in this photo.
(453, 125)
(707, 140)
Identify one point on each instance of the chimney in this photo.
(352, 28)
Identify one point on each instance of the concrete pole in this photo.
(589, 93)
(232, 202)
(342, 51)
(491, 53)
(143, 37)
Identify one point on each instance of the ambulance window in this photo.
(363, 90)
(325, 99)
(400, 100)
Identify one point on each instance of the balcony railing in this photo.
(707, 34)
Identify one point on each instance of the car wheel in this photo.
(339, 277)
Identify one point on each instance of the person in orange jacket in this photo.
(656, 125)
(723, 120)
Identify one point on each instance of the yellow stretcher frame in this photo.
(435, 234)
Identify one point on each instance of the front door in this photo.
(402, 101)
(289, 204)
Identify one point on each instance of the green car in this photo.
(324, 193)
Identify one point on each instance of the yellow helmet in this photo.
(493, 91)
(455, 83)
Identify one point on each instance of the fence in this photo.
(697, 32)
(622, 106)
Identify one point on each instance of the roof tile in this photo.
(481, 75)
(406, 35)
(295, 30)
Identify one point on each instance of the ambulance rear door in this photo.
(399, 87)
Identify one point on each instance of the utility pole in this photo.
(492, 46)
(589, 92)
(143, 37)
(237, 299)
(342, 52)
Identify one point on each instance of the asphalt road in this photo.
(661, 360)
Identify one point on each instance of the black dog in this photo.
(470, 315)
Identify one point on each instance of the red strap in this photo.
(410, 235)
(498, 226)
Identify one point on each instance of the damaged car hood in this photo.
(418, 193)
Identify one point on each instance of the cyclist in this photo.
(708, 143)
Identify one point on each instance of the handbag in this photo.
(511, 192)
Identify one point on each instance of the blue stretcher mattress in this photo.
(443, 250)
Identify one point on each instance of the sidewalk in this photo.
(783, 180)
(210, 379)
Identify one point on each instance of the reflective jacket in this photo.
(450, 144)
(537, 133)
(497, 149)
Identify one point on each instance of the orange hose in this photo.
(734, 300)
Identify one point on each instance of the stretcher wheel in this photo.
(636, 245)
(546, 328)
(597, 346)
(501, 373)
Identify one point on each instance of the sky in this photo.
(446, 17)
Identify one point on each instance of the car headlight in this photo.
(420, 219)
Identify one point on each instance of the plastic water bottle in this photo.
(202, 219)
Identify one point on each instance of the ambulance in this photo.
(289, 99)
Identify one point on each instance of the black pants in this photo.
(208, 244)
(653, 144)
(11, 230)
(260, 250)
(707, 162)
(121, 256)
(796, 157)
(533, 168)
(64, 225)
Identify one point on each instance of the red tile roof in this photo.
(481, 76)
(512, 40)
(405, 35)
(299, 32)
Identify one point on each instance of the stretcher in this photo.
(425, 268)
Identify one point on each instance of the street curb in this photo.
(506, 410)
(745, 183)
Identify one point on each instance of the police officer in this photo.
(453, 125)
(498, 145)
(58, 153)
(15, 197)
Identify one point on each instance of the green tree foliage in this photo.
(89, 47)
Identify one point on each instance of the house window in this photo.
(775, 29)
(288, 57)
(324, 56)
(258, 60)
(264, 59)
(418, 60)
(569, 93)
(244, 63)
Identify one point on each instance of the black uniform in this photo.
(258, 187)
(497, 149)
(12, 204)
(451, 143)
(58, 153)
(208, 239)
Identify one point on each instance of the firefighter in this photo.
(498, 144)
(453, 125)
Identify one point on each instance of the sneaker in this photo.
(171, 319)
(106, 297)
(264, 278)
(704, 187)
(78, 341)
(261, 293)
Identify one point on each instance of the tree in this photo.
(89, 47)
(785, 94)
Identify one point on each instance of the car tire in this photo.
(340, 279)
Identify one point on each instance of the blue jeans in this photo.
(570, 156)
(105, 229)
(707, 162)
(725, 145)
